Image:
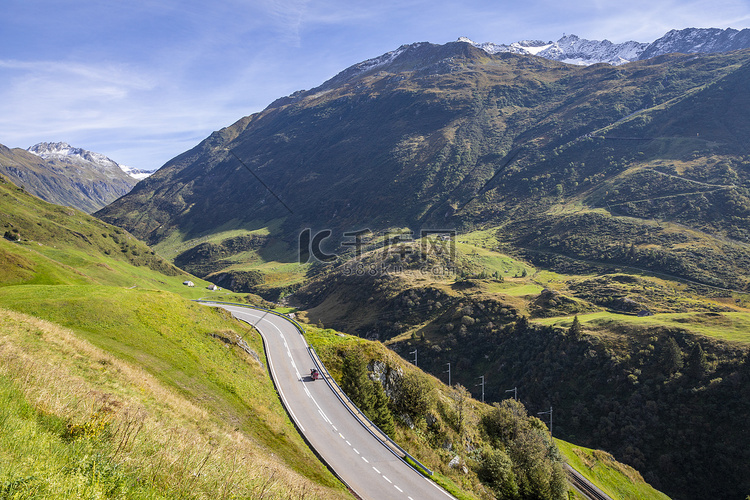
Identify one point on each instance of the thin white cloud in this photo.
(83, 103)
(148, 80)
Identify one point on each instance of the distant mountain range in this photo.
(62, 174)
(62, 151)
(574, 50)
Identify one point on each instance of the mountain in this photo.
(574, 50)
(570, 49)
(61, 174)
(449, 136)
(136, 173)
(62, 151)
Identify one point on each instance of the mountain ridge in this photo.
(64, 151)
(574, 50)
(65, 175)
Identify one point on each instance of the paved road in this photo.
(361, 461)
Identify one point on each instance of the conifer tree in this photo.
(575, 329)
(696, 362)
(671, 357)
(355, 382)
(381, 414)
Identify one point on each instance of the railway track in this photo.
(584, 486)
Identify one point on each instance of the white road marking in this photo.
(281, 393)
(283, 396)
(355, 451)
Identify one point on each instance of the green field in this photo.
(514, 288)
(177, 241)
(729, 326)
(492, 261)
(207, 401)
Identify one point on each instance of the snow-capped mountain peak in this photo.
(136, 173)
(62, 151)
(570, 49)
(575, 50)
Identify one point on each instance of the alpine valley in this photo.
(565, 220)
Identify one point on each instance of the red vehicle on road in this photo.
(314, 374)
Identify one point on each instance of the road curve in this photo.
(361, 461)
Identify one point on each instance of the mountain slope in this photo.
(51, 244)
(84, 180)
(447, 137)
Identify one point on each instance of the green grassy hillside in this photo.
(72, 246)
(115, 385)
(47, 244)
(617, 480)
(152, 401)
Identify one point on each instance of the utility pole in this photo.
(482, 384)
(449, 374)
(414, 352)
(515, 392)
(550, 418)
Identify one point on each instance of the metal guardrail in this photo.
(373, 429)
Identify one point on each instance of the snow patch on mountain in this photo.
(62, 151)
(574, 50)
(570, 49)
(136, 173)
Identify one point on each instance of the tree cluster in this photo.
(366, 393)
(522, 461)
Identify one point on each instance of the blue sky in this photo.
(142, 81)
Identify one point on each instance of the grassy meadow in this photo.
(114, 384)
(151, 403)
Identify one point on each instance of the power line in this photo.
(260, 180)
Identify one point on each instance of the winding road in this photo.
(369, 469)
